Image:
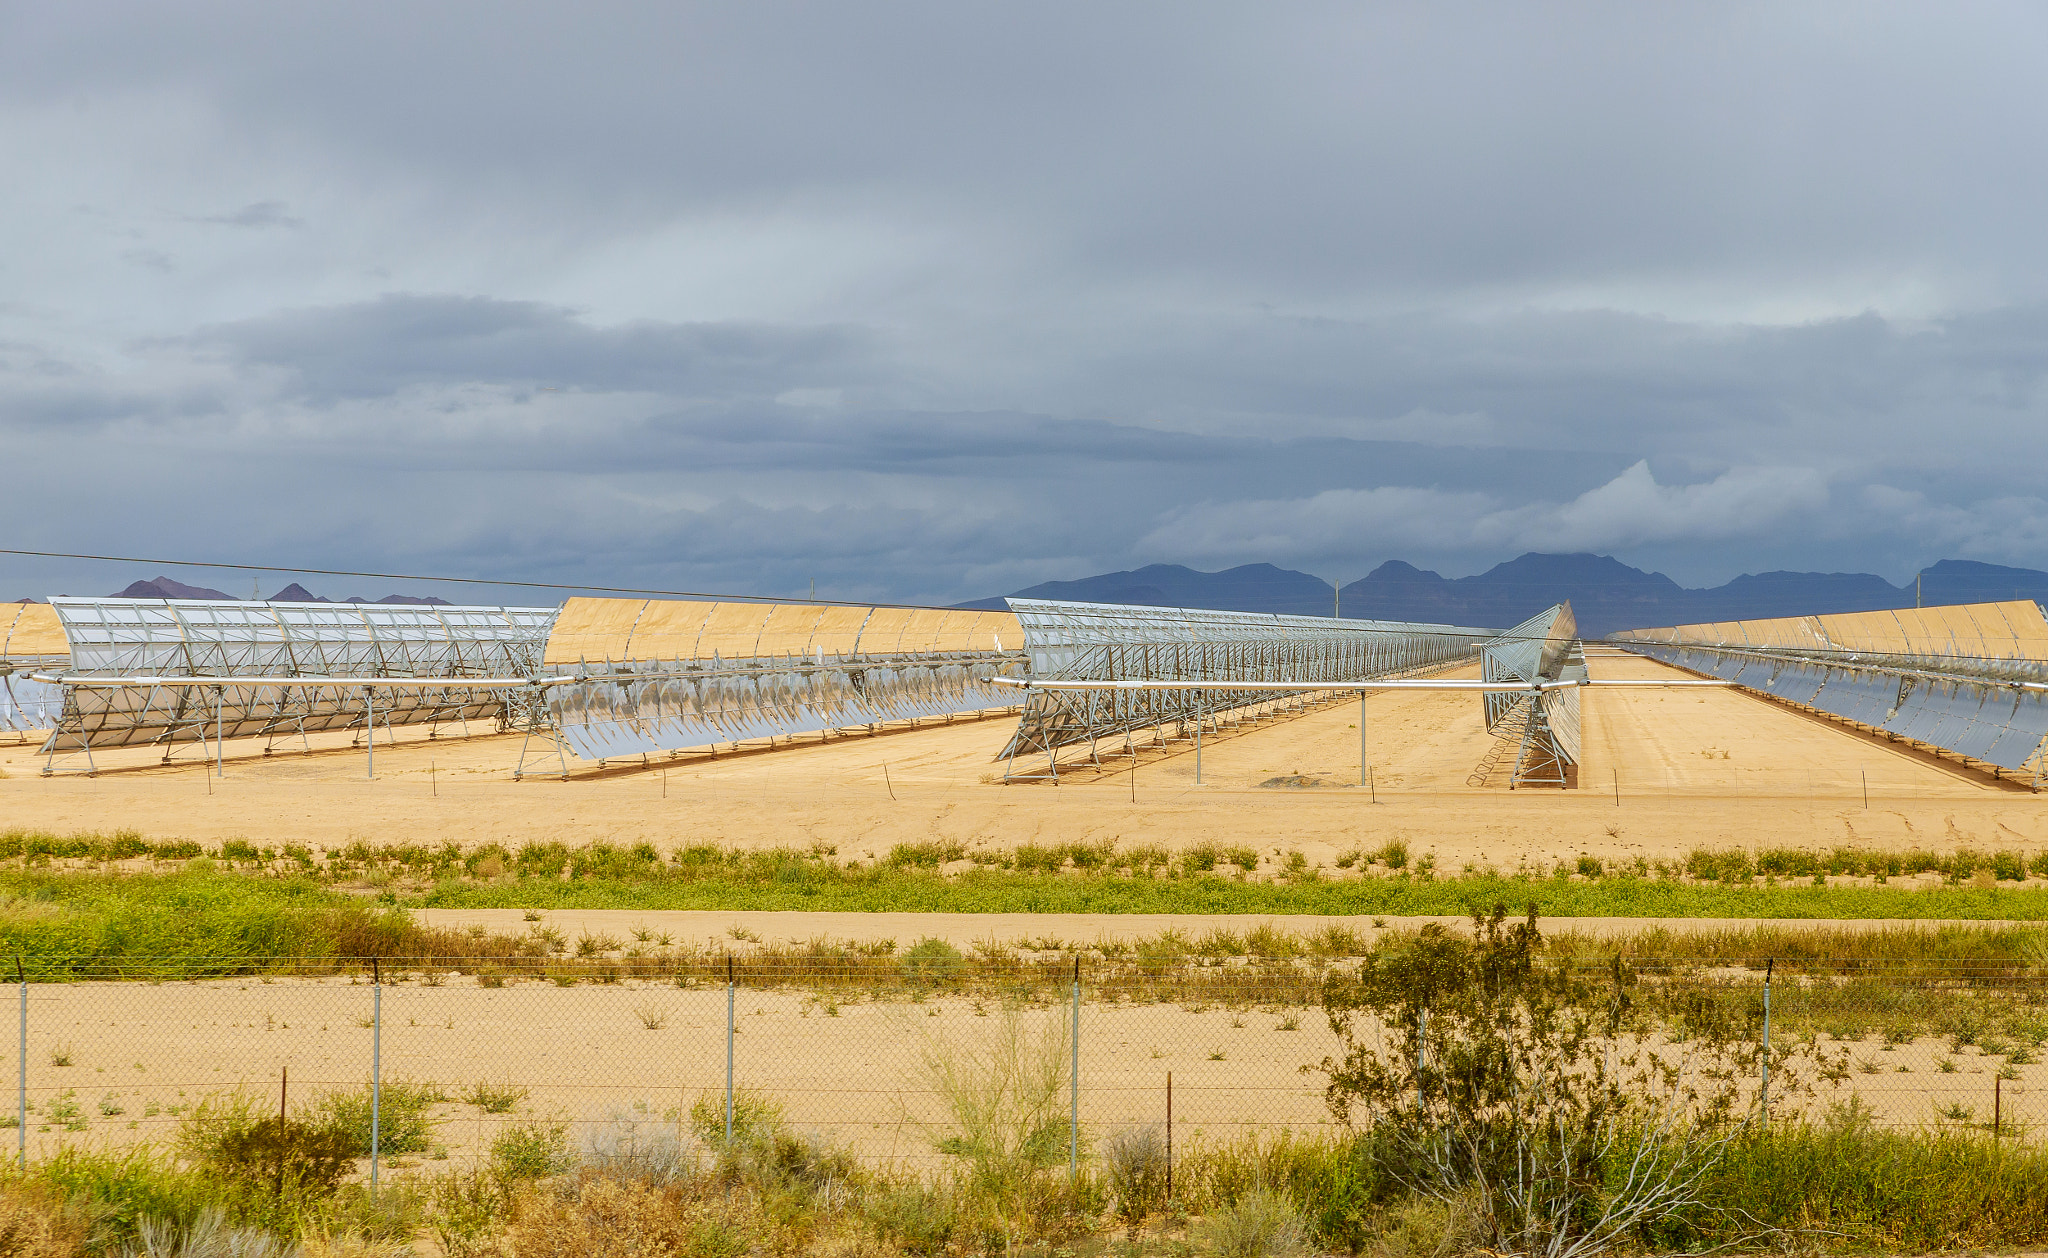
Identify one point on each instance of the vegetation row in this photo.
(643, 863)
(1540, 1119)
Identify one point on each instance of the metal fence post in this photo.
(21, 1093)
(1764, 1096)
(376, 1064)
(1074, 1084)
(728, 1052)
(1421, 1057)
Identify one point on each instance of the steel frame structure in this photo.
(1101, 642)
(643, 707)
(29, 705)
(31, 641)
(1541, 725)
(641, 677)
(276, 670)
(1991, 711)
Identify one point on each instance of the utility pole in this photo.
(1916, 591)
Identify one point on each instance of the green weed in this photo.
(405, 1119)
(494, 1098)
(532, 1149)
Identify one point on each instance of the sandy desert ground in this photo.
(1664, 771)
(138, 1057)
(1689, 768)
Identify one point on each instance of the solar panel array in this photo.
(1545, 727)
(31, 640)
(1954, 678)
(324, 643)
(665, 675)
(1112, 642)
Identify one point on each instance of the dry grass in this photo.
(602, 1218)
(34, 1223)
(596, 1216)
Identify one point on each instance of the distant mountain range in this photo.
(1606, 594)
(164, 587)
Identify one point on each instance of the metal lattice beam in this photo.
(640, 707)
(254, 656)
(1543, 725)
(1978, 709)
(1108, 642)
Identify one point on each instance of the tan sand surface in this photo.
(593, 629)
(1664, 771)
(139, 1056)
(31, 631)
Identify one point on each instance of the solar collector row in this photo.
(1984, 721)
(681, 674)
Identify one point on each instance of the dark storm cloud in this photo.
(945, 300)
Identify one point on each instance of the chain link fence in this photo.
(436, 1063)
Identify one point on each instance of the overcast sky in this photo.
(933, 302)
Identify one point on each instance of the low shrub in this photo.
(933, 961)
(405, 1118)
(1134, 1163)
(36, 1222)
(534, 1149)
(611, 1218)
(1262, 1223)
(119, 1189)
(637, 1143)
(926, 855)
(1844, 1183)
(1341, 1183)
(916, 1218)
(210, 1235)
(494, 1098)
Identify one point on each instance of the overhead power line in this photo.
(414, 576)
(612, 589)
(522, 585)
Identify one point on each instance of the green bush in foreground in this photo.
(1839, 1185)
(1847, 1185)
(405, 1119)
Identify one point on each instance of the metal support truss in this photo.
(1522, 728)
(639, 707)
(272, 670)
(1970, 680)
(540, 739)
(1991, 711)
(29, 705)
(1542, 725)
(1107, 643)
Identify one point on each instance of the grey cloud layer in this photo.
(376, 348)
(929, 302)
